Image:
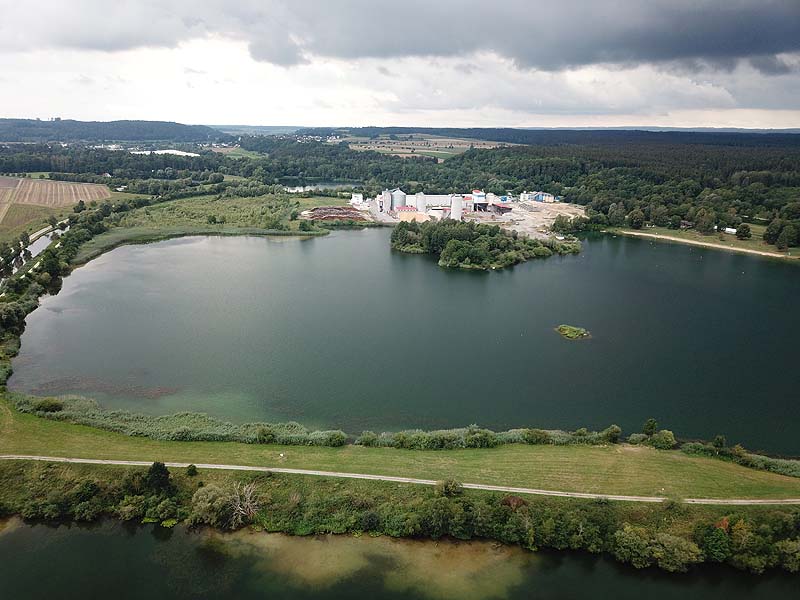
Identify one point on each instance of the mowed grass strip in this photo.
(617, 469)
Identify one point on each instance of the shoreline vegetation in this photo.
(466, 245)
(571, 332)
(200, 427)
(671, 535)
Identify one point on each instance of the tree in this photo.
(743, 232)
(719, 442)
(650, 426)
(158, 477)
(773, 230)
(787, 238)
(663, 440)
(717, 545)
(210, 506)
(704, 220)
(636, 219)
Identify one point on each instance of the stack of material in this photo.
(334, 213)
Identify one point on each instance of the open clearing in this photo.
(418, 144)
(531, 218)
(617, 469)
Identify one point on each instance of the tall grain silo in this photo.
(455, 207)
(398, 198)
(422, 202)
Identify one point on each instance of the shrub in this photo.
(370, 521)
(191, 470)
(367, 438)
(536, 436)
(210, 506)
(632, 545)
(637, 438)
(663, 440)
(448, 488)
(48, 405)
(480, 438)
(612, 434)
(650, 427)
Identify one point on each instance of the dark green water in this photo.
(78, 562)
(342, 332)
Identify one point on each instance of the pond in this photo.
(341, 332)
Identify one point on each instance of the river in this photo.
(38, 561)
(342, 332)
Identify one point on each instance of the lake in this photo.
(39, 561)
(341, 332)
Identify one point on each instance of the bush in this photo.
(663, 440)
(367, 438)
(480, 438)
(210, 506)
(448, 488)
(536, 436)
(48, 405)
(637, 438)
(191, 471)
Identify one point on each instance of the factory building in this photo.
(439, 206)
(537, 197)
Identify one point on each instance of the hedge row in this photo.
(187, 427)
(739, 455)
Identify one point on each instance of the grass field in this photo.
(616, 469)
(723, 241)
(238, 152)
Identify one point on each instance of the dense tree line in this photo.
(66, 130)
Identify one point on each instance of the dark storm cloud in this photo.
(542, 35)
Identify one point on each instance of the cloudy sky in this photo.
(717, 63)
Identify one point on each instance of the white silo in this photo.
(422, 202)
(455, 207)
(398, 198)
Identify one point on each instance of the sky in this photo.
(457, 63)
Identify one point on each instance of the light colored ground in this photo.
(43, 192)
(531, 218)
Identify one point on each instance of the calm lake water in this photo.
(146, 562)
(342, 332)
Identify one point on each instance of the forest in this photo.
(67, 130)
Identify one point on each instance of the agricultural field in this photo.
(417, 144)
(26, 204)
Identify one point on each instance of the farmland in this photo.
(25, 204)
(417, 144)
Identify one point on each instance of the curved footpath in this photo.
(411, 480)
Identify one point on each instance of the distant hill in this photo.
(547, 137)
(257, 129)
(29, 130)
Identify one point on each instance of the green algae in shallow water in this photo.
(573, 333)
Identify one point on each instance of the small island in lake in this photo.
(573, 333)
(468, 245)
